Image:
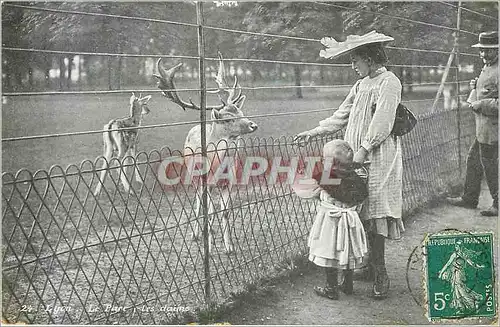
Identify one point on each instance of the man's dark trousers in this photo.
(482, 160)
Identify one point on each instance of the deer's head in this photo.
(139, 105)
(231, 121)
(228, 116)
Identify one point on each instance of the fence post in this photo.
(203, 122)
(457, 81)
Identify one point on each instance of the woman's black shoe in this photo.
(347, 283)
(331, 293)
(382, 283)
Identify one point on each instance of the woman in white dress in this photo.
(368, 114)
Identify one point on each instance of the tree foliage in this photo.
(310, 20)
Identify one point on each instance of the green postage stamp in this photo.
(460, 276)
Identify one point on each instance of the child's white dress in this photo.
(337, 238)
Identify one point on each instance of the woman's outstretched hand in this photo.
(303, 138)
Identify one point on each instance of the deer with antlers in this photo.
(122, 143)
(228, 124)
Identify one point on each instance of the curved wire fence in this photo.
(129, 257)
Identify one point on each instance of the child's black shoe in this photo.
(329, 292)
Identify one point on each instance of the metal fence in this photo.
(106, 259)
(70, 256)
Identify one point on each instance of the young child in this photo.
(337, 239)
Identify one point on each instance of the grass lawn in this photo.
(130, 249)
(37, 115)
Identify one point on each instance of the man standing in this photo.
(483, 154)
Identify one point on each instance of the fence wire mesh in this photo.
(70, 256)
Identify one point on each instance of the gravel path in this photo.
(292, 301)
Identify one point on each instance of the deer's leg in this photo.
(136, 168)
(211, 218)
(197, 226)
(226, 228)
(122, 152)
(108, 153)
(127, 163)
(199, 223)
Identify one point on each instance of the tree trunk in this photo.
(30, 78)
(47, 77)
(119, 73)
(7, 70)
(62, 70)
(409, 69)
(322, 75)
(409, 76)
(88, 73)
(110, 81)
(255, 72)
(298, 90)
(19, 79)
(80, 66)
(7, 82)
(70, 70)
(119, 66)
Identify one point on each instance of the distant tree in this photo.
(85, 33)
(14, 63)
(299, 19)
(409, 34)
(312, 20)
(475, 22)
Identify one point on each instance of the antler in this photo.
(166, 83)
(226, 94)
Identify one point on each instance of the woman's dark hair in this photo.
(374, 51)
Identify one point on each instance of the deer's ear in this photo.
(240, 101)
(215, 114)
(145, 100)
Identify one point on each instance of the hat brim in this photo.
(486, 46)
(352, 42)
(334, 54)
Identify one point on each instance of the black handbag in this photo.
(404, 122)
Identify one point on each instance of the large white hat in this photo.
(335, 48)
